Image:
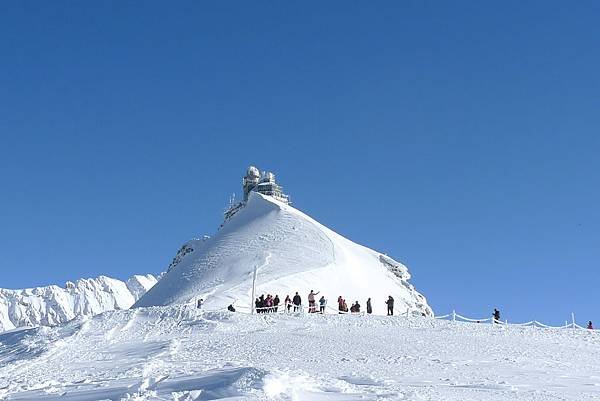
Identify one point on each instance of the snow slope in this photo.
(290, 252)
(180, 353)
(52, 304)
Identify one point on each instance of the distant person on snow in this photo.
(496, 315)
(322, 304)
(269, 304)
(257, 305)
(590, 325)
(199, 304)
(312, 308)
(340, 304)
(356, 307)
(369, 307)
(276, 302)
(297, 302)
(230, 308)
(288, 303)
(390, 306)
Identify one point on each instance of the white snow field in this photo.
(181, 353)
(52, 304)
(290, 252)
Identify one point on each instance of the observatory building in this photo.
(262, 183)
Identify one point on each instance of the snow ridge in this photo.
(52, 305)
(289, 251)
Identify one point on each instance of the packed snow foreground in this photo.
(183, 353)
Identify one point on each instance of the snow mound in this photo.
(52, 305)
(290, 252)
(183, 353)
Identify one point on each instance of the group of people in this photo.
(268, 304)
(295, 303)
(355, 308)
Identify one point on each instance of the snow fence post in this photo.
(453, 315)
(573, 321)
(253, 291)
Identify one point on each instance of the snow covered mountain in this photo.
(52, 305)
(289, 251)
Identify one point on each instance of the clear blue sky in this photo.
(462, 139)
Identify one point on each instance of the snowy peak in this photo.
(290, 252)
(52, 304)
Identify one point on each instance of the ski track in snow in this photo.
(181, 353)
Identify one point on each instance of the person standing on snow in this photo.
(276, 303)
(297, 302)
(369, 307)
(288, 303)
(496, 315)
(590, 325)
(390, 305)
(322, 304)
(200, 303)
(269, 304)
(311, 302)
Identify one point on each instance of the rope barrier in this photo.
(301, 309)
(472, 320)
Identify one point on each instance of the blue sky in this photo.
(462, 139)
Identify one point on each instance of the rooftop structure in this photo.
(262, 183)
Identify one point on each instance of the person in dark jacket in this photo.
(496, 315)
(297, 301)
(276, 302)
(356, 307)
(200, 303)
(322, 304)
(369, 307)
(590, 325)
(257, 305)
(390, 305)
(230, 308)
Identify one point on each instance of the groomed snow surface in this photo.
(181, 353)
